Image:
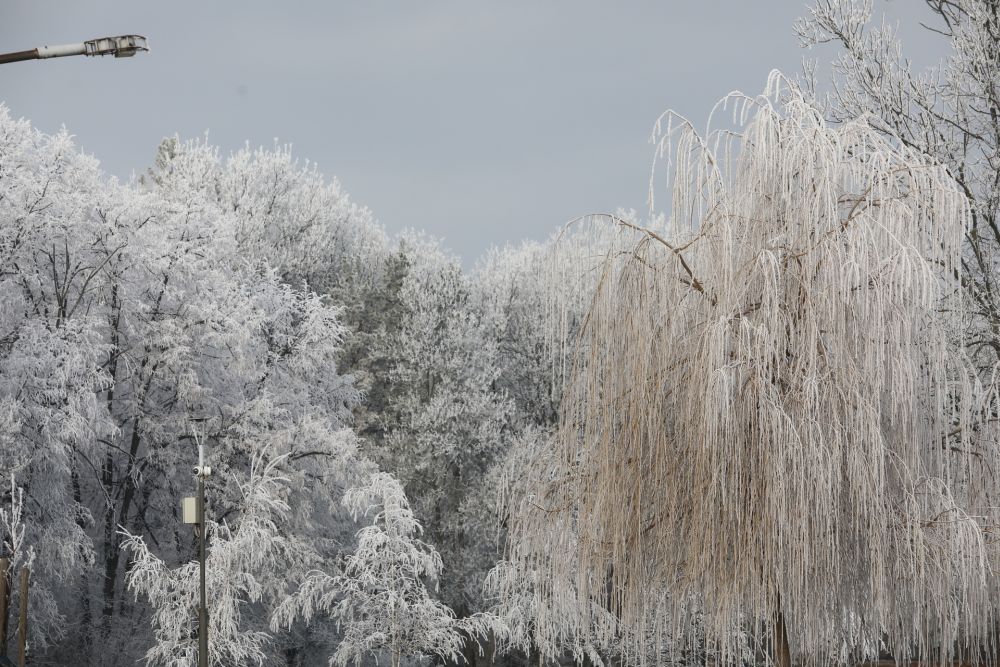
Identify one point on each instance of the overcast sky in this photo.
(480, 122)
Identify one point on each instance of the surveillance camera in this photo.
(197, 470)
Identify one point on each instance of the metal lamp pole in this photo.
(193, 511)
(123, 46)
(203, 471)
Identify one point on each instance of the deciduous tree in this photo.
(771, 438)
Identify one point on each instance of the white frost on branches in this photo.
(239, 562)
(379, 599)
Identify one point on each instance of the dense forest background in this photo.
(247, 304)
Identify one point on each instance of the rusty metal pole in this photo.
(45, 52)
(18, 56)
(4, 603)
(22, 624)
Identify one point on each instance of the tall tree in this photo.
(771, 439)
(379, 593)
(442, 421)
(53, 249)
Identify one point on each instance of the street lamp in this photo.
(123, 46)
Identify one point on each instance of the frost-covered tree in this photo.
(259, 374)
(950, 112)
(436, 418)
(379, 596)
(771, 439)
(51, 254)
(283, 211)
(201, 337)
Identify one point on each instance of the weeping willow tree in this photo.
(771, 446)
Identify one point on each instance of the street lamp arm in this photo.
(123, 46)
